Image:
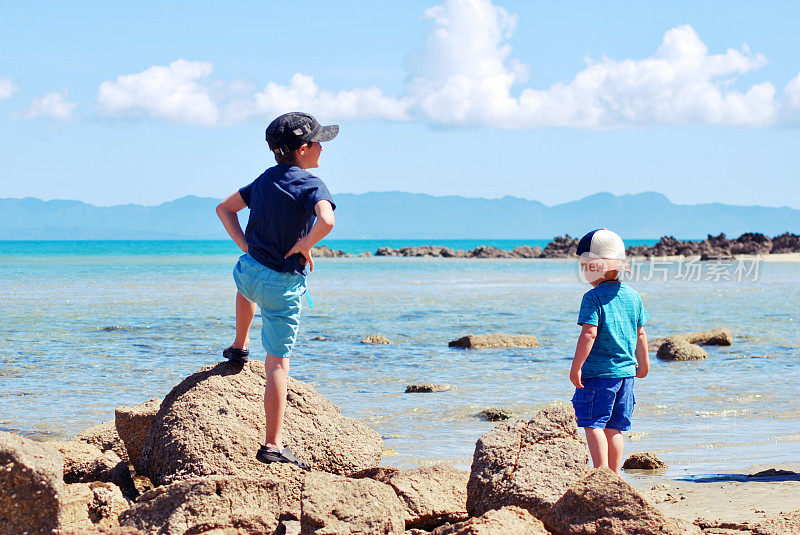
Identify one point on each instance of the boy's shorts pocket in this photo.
(583, 403)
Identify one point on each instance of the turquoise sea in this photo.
(89, 326)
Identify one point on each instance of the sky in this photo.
(121, 102)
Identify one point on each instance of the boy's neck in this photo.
(597, 283)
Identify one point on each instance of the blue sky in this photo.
(111, 103)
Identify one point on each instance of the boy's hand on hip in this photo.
(303, 250)
(575, 377)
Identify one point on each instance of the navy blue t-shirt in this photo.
(281, 203)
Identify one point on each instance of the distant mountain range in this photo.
(396, 215)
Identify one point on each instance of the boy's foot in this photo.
(271, 455)
(234, 354)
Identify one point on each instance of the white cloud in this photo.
(7, 88)
(53, 105)
(465, 75)
(173, 93)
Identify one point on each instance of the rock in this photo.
(376, 472)
(431, 495)
(84, 463)
(526, 251)
(133, 424)
(31, 485)
(478, 341)
(104, 436)
(217, 502)
(376, 339)
(679, 348)
(751, 243)
(318, 339)
(333, 505)
(386, 251)
(786, 243)
(485, 251)
(323, 251)
(714, 337)
(603, 503)
(365, 254)
(495, 415)
(643, 460)
(424, 388)
(213, 422)
(87, 506)
(504, 521)
(561, 247)
(529, 464)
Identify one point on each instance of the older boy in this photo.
(611, 349)
(284, 203)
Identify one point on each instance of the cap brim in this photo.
(326, 133)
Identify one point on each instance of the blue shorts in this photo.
(605, 402)
(278, 296)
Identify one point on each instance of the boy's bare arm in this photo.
(584, 346)
(227, 210)
(323, 225)
(642, 357)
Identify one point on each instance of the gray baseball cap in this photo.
(291, 130)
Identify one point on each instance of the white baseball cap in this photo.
(602, 243)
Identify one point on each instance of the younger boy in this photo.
(611, 349)
(284, 203)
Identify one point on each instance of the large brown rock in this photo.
(104, 436)
(713, 337)
(678, 348)
(202, 504)
(478, 341)
(213, 422)
(529, 464)
(31, 484)
(88, 506)
(84, 463)
(603, 503)
(505, 521)
(333, 505)
(431, 495)
(643, 460)
(133, 424)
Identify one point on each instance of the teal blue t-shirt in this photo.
(618, 312)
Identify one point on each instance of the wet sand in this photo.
(731, 496)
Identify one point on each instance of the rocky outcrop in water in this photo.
(426, 388)
(680, 349)
(720, 247)
(323, 251)
(561, 247)
(481, 341)
(643, 460)
(376, 339)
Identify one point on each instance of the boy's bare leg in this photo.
(277, 371)
(245, 311)
(598, 446)
(616, 446)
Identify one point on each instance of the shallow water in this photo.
(85, 333)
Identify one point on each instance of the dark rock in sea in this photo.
(603, 503)
(318, 339)
(679, 348)
(503, 521)
(334, 505)
(495, 415)
(529, 464)
(720, 336)
(365, 254)
(426, 388)
(526, 251)
(485, 251)
(376, 339)
(226, 402)
(643, 460)
(324, 251)
(786, 243)
(561, 247)
(751, 243)
(133, 425)
(32, 484)
(480, 341)
(196, 505)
